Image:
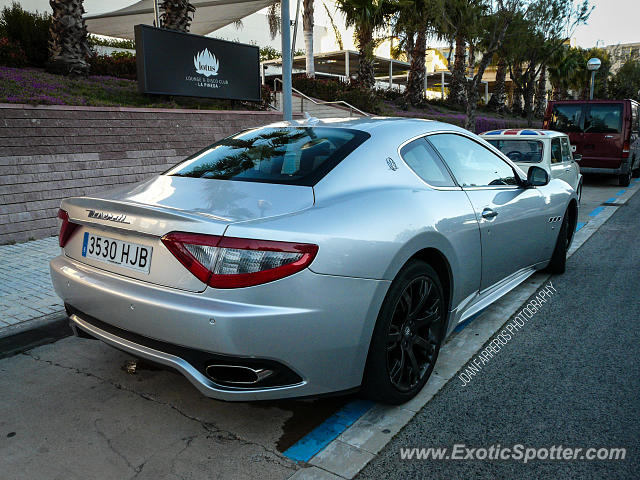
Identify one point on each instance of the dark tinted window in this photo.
(299, 156)
(556, 151)
(635, 112)
(566, 118)
(528, 151)
(603, 118)
(566, 150)
(419, 155)
(472, 164)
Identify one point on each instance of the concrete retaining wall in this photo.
(51, 152)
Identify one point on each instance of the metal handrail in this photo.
(322, 102)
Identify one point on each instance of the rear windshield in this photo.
(603, 118)
(566, 118)
(528, 151)
(291, 155)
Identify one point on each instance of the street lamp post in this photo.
(593, 65)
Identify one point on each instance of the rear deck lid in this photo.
(130, 221)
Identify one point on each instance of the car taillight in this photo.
(66, 228)
(625, 149)
(227, 262)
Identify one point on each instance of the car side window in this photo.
(423, 160)
(566, 150)
(472, 164)
(556, 151)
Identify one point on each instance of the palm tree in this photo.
(499, 98)
(562, 69)
(69, 46)
(273, 19)
(176, 14)
(413, 21)
(541, 93)
(307, 27)
(367, 16)
(457, 23)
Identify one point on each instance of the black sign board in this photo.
(176, 63)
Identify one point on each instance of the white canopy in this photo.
(209, 16)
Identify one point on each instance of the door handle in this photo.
(489, 213)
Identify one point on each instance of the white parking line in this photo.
(345, 456)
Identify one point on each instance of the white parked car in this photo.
(544, 148)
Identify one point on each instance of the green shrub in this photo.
(11, 55)
(28, 30)
(116, 43)
(120, 65)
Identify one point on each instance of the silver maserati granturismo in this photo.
(309, 257)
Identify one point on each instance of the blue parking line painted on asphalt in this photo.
(580, 225)
(621, 192)
(323, 434)
(596, 211)
(610, 200)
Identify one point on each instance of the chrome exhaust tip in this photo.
(237, 375)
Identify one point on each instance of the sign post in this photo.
(177, 63)
(286, 60)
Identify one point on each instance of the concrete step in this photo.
(300, 104)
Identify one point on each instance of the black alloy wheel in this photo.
(413, 334)
(407, 336)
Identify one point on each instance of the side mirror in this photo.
(537, 177)
(577, 157)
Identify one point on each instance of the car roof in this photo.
(533, 132)
(408, 126)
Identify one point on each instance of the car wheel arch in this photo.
(439, 261)
(572, 208)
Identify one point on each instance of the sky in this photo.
(612, 21)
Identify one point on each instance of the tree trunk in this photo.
(176, 14)
(456, 89)
(366, 45)
(68, 47)
(541, 93)
(472, 105)
(529, 89)
(516, 78)
(414, 94)
(499, 98)
(307, 26)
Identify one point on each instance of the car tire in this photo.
(558, 263)
(625, 179)
(407, 337)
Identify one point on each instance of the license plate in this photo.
(117, 252)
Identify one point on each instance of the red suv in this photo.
(605, 132)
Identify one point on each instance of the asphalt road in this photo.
(570, 377)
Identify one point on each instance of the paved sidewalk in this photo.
(26, 293)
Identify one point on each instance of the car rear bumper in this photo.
(317, 327)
